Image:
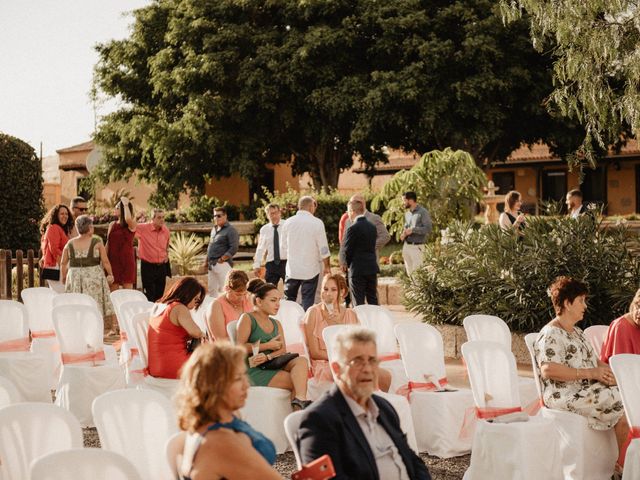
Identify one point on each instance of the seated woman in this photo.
(229, 306)
(260, 329)
(512, 217)
(171, 328)
(331, 312)
(572, 377)
(217, 444)
(623, 335)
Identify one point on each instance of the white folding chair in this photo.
(490, 328)
(232, 330)
(31, 430)
(380, 320)
(14, 327)
(93, 463)
(199, 315)
(596, 334)
(129, 354)
(626, 368)
(73, 299)
(586, 454)
(437, 415)
(136, 424)
(89, 367)
(122, 296)
(291, 426)
(39, 304)
(173, 448)
(398, 402)
(9, 393)
(523, 450)
(290, 315)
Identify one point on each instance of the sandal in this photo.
(298, 404)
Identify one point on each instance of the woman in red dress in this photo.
(623, 335)
(120, 246)
(170, 329)
(55, 229)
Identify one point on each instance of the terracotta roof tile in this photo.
(82, 147)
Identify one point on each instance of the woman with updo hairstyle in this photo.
(216, 443)
(512, 217)
(573, 379)
(259, 328)
(233, 302)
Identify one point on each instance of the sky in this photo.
(46, 66)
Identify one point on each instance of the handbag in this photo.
(192, 344)
(48, 273)
(278, 362)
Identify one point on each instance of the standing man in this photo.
(360, 256)
(270, 246)
(305, 243)
(223, 245)
(358, 430)
(153, 250)
(417, 227)
(574, 203)
(78, 207)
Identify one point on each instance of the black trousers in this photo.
(363, 287)
(292, 285)
(154, 277)
(273, 273)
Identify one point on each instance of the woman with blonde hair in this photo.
(512, 217)
(229, 306)
(623, 335)
(217, 444)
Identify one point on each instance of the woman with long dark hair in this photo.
(120, 246)
(55, 229)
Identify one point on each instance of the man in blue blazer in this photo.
(360, 256)
(358, 430)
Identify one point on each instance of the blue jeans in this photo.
(292, 285)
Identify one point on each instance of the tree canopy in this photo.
(597, 66)
(212, 88)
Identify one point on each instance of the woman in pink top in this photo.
(55, 229)
(229, 306)
(170, 330)
(623, 335)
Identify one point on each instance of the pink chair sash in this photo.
(43, 334)
(71, 358)
(16, 345)
(634, 432)
(387, 357)
(406, 390)
(534, 407)
(472, 415)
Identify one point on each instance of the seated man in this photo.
(358, 430)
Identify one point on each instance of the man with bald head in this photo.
(304, 240)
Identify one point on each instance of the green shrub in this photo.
(20, 195)
(184, 251)
(486, 270)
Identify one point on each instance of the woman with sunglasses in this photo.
(229, 306)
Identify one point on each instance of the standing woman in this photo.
(512, 217)
(120, 246)
(55, 229)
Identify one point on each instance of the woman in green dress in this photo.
(259, 325)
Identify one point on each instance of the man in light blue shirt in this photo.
(417, 228)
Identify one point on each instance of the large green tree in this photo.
(211, 88)
(597, 65)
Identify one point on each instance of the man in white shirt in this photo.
(305, 242)
(574, 203)
(271, 247)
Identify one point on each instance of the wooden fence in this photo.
(25, 266)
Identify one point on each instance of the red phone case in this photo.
(320, 469)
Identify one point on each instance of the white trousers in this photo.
(413, 256)
(216, 277)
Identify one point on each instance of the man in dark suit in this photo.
(360, 256)
(358, 430)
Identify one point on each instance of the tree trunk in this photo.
(326, 166)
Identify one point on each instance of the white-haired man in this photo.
(358, 430)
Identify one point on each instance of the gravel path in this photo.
(449, 469)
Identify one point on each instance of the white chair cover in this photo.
(265, 410)
(632, 461)
(200, 314)
(398, 402)
(596, 334)
(232, 330)
(138, 335)
(585, 453)
(291, 426)
(9, 393)
(39, 304)
(89, 367)
(173, 448)
(626, 368)
(380, 320)
(290, 315)
(437, 416)
(129, 354)
(523, 450)
(119, 298)
(93, 463)
(136, 424)
(14, 327)
(29, 372)
(31, 430)
(73, 299)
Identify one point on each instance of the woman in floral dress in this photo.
(573, 379)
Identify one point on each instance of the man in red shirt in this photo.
(153, 245)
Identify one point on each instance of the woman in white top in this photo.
(512, 217)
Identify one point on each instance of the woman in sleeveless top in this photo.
(216, 443)
(84, 261)
(260, 326)
(120, 246)
(512, 217)
(171, 329)
(229, 306)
